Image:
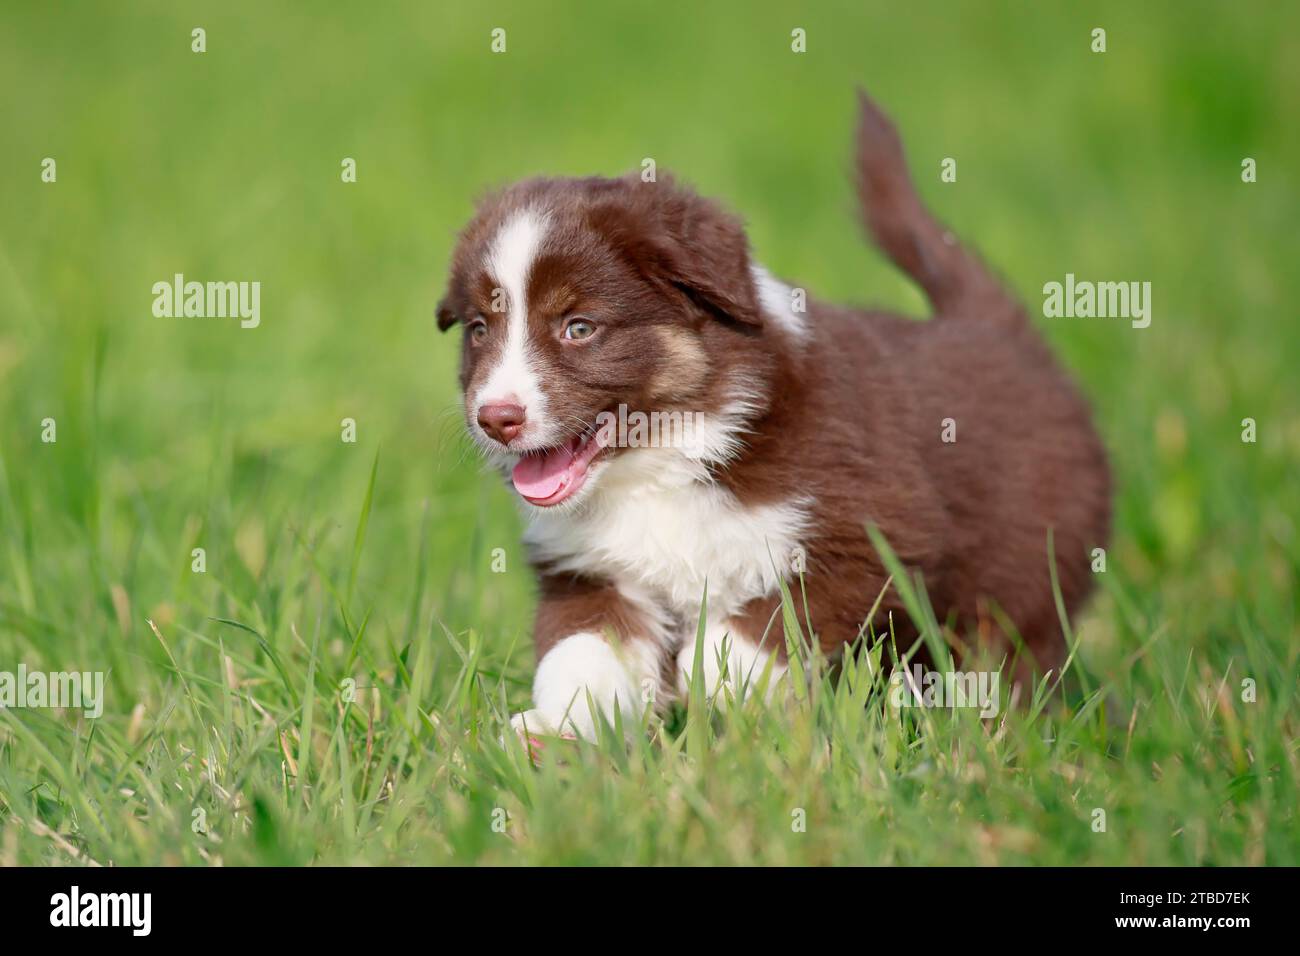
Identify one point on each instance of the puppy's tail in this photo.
(954, 280)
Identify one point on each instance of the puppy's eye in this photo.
(579, 328)
(477, 330)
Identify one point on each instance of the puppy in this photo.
(584, 302)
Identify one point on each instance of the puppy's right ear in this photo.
(446, 317)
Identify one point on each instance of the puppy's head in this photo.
(576, 297)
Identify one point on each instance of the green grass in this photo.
(372, 562)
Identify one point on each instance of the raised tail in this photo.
(954, 280)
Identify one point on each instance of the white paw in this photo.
(583, 672)
(532, 727)
(535, 723)
(729, 660)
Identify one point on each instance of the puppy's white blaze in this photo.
(586, 663)
(777, 301)
(744, 661)
(509, 262)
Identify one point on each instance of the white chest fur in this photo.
(659, 533)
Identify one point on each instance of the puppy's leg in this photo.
(592, 642)
(732, 659)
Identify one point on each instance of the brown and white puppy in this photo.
(581, 296)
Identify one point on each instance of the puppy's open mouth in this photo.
(550, 475)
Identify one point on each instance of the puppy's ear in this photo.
(446, 317)
(687, 243)
(709, 258)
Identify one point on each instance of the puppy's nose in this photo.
(501, 420)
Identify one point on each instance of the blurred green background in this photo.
(182, 433)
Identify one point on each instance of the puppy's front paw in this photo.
(731, 662)
(534, 722)
(531, 726)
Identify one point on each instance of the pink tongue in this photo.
(541, 476)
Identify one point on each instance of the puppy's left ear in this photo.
(708, 258)
(685, 243)
(446, 317)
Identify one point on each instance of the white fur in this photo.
(625, 678)
(510, 259)
(720, 436)
(777, 301)
(657, 527)
(745, 661)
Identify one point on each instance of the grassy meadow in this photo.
(332, 686)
